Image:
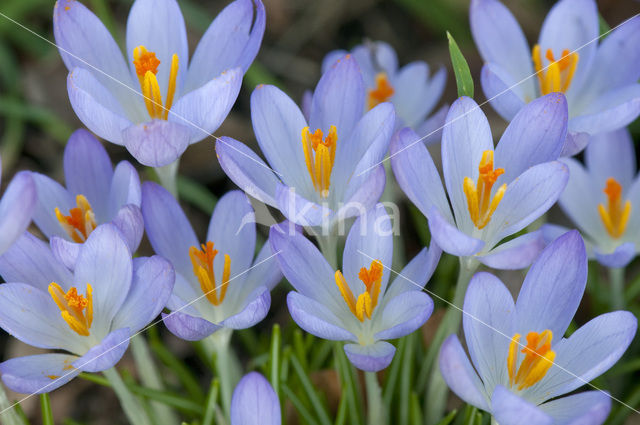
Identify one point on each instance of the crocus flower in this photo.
(355, 304)
(493, 194)
(254, 402)
(218, 282)
(88, 317)
(16, 208)
(95, 194)
(411, 89)
(602, 199)
(519, 357)
(322, 169)
(600, 80)
(152, 100)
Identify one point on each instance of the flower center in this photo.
(538, 358)
(75, 309)
(558, 74)
(80, 222)
(479, 201)
(202, 260)
(365, 304)
(381, 93)
(320, 154)
(146, 65)
(616, 214)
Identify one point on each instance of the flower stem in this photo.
(168, 176)
(436, 394)
(226, 366)
(375, 406)
(132, 408)
(616, 279)
(9, 411)
(328, 246)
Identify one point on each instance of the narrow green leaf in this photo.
(405, 380)
(415, 410)
(45, 406)
(348, 383)
(603, 25)
(275, 359)
(449, 418)
(300, 407)
(464, 82)
(394, 375)
(196, 194)
(318, 407)
(211, 403)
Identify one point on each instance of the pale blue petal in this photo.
(363, 192)
(510, 409)
(535, 135)
(338, 99)
(300, 210)
(17, 207)
(38, 374)
(130, 224)
(168, 228)
(430, 131)
(151, 286)
(106, 354)
(620, 257)
(552, 290)
(465, 137)
(403, 314)
(370, 358)
(575, 142)
(255, 309)
(254, 402)
(460, 375)
(515, 254)
(206, 107)
(51, 195)
(587, 408)
(188, 327)
(247, 170)
(316, 318)
(502, 91)
(611, 155)
(613, 110)
(88, 171)
(417, 273)
(331, 57)
(449, 238)
(156, 143)
(64, 251)
(125, 188)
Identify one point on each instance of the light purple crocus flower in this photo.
(519, 358)
(321, 170)
(603, 199)
(16, 208)
(218, 282)
(493, 196)
(95, 194)
(600, 80)
(411, 89)
(254, 402)
(152, 100)
(89, 315)
(355, 304)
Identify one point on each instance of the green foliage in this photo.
(464, 82)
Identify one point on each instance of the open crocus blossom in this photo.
(519, 354)
(88, 317)
(355, 304)
(603, 199)
(494, 194)
(254, 402)
(412, 90)
(152, 100)
(16, 208)
(95, 194)
(600, 80)
(218, 282)
(323, 169)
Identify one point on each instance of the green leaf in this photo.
(196, 194)
(464, 82)
(449, 418)
(319, 409)
(45, 406)
(274, 374)
(211, 403)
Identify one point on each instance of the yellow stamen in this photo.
(202, 261)
(559, 73)
(320, 155)
(479, 201)
(80, 222)
(537, 360)
(367, 301)
(75, 309)
(381, 93)
(616, 214)
(146, 65)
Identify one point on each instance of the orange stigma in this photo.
(202, 261)
(367, 301)
(320, 154)
(538, 358)
(558, 74)
(80, 222)
(616, 214)
(75, 309)
(381, 93)
(146, 65)
(481, 205)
